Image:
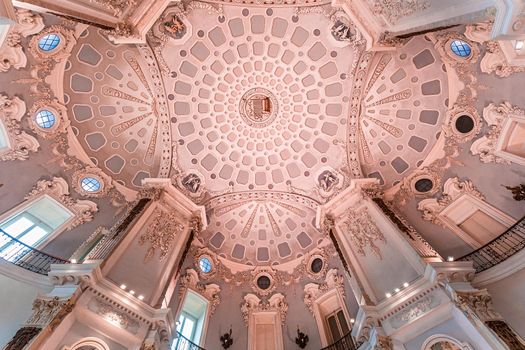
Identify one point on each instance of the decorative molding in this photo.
(476, 304)
(443, 43)
(190, 280)
(161, 233)
(445, 339)
(113, 315)
(313, 291)
(253, 304)
(393, 10)
(19, 142)
(57, 189)
(59, 111)
(11, 52)
(413, 311)
(383, 343)
(362, 232)
(96, 173)
(261, 271)
(452, 190)
(489, 147)
(62, 51)
(49, 311)
(462, 107)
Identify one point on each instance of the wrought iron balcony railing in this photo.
(500, 249)
(25, 256)
(345, 343)
(182, 343)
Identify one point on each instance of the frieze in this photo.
(113, 315)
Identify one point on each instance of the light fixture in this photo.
(388, 295)
(396, 290)
(122, 286)
(450, 258)
(519, 44)
(132, 292)
(141, 297)
(352, 320)
(73, 261)
(405, 284)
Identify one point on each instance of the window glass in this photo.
(90, 184)
(45, 119)
(32, 225)
(205, 265)
(3, 137)
(460, 48)
(49, 42)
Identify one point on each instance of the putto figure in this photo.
(175, 27)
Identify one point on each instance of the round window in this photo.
(264, 282)
(464, 124)
(90, 184)
(460, 48)
(423, 185)
(317, 265)
(205, 264)
(49, 42)
(45, 119)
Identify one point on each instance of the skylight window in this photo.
(49, 42)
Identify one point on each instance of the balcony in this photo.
(25, 256)
(499, 249)
(345, 343)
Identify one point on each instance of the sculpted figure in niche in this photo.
(192, 183)
(327, 180)
(342, 31)
(175, 27)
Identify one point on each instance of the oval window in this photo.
(45, 119)
(460, 48)
(90, 184)
(205, 265)
(49, 42)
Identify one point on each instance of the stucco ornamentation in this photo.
(495, 62)
(362, 231)
(61, 121)
(453, 189)
(413, 311)
(394, 10)
(113, 315)
(312, 291)
(57, 188)
(19, 142)
(161, 233)
(49, 311)
(462, 108)
(488, 146)
(253, 304)
(478, 303)
(11, 53)
(383, 343)
(62, 51)
(96, 173)
(190, 280)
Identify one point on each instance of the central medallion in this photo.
(258, 107)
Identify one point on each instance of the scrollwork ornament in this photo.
(57, 188)
(161, 234)
(211, 292)
(59, 111)
(313, 291)
(62, 51)
(394, 10)
(362, 231)
(253, 304)
(20, 144)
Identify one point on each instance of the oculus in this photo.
(423, 185)
(45, 119)
(90, 184)
(264, 282)
(317, 265)
(460, 48)
(205, 265)
(464, 124)
(258, 107)
(49, 42)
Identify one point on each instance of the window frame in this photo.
(22, 208)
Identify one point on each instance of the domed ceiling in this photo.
(248, 111)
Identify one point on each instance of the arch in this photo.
(90, 343)
(432, 341)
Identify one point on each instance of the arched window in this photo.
(88, 344)
(444, 342)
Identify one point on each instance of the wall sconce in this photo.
(302, 339)
(226, 339)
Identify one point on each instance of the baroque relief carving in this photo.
(11, 53)
(362, 231)
(161, 233)
(313, 291)
(190, 280)
(463, 108)
(253, 304)
(59, 111)
(57, 188)
(489, 147)
(49, 311)
(478, 304)
(394, 10)
(19, 142)
(113, 315)
(67, 41)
